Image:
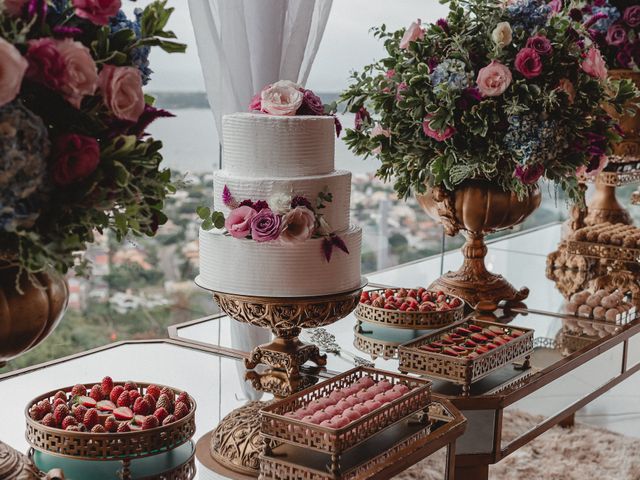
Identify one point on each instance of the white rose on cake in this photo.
(280, 203)
(281, 98)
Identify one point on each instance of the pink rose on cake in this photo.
(281, 98)
(298, 225)
(265, 226)
(238, 223)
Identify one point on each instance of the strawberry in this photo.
(91, 418)
(168, 420)
(154, 391)
(150, 422)
(137, 419)
(411, 309)
(390, 306)
(165, 402)
(161, 413)
(68, 421)
(496, 329)
(141, 406)
(115, 393)
(488, 333)
(474, 328)
(374, 295)
(500, 341)
(421, 291)
(60, 394)
(56, 402)
(168, 392)
(450, 351)
(388, 293)
(123, 413)
(402, 293)
(482, 349)
(458, 348)
(151, 401)
(124, 400)
(445, 341)
(78, 390)
(134, 427)
(490, 346)
(184, 398)
(437, 344)
(107, 385)
(455, 337)
(105, 405)
(516, 333)
(49, 420)
(181, 410)
(123, 427)
(46, 406)
(470, 344)
(130, 385)
(98, 429)
(79, 412)
(87, 402)
(96, 393)
(37, 412)
(111, 424)
(404, 307)
(73, 428)
(412, 293)
(425, 307)
(364, 297)
(133, 395)
(60, 412)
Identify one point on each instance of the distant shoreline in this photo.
(179, 100)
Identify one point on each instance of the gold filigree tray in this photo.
(604, 251)
(409, 320)
(461, 370)
(614, 179)
(380, 456)
(123, 446)
(280, 428)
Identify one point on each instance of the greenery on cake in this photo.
(75, 156)
(506, 92)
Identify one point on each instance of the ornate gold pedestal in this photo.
(286, 317)
(16, 466)
(604, 206)
(477, 208)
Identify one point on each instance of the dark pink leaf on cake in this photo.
(327, 248)
(338, 242)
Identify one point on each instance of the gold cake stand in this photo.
(286, 317)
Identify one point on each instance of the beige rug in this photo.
(578, 453)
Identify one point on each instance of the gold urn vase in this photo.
(30, 309)
(478, 208)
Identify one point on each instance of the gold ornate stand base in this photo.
(278, 383)
(473, 282)
(605, 208)
(286, 317)
(16, 466)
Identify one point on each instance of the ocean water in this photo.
(191, 143)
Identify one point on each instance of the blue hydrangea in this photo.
(139, 56)
(59, 6)
(452, 73)
(528, 14)
(612, 13)
(532, 140)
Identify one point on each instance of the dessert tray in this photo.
(339, 414)
(467, 351)
(379, 457)
(612, 241)
(132, 421)
(606, 306)
(382, 342)
(409, 308)
(627, 174)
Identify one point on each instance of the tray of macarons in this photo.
(338, 414)
(466, 351)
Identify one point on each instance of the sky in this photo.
(346, 45)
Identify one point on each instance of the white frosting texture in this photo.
(260, 145)
(273, 269)
(338, 183)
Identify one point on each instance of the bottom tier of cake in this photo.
(272, 269)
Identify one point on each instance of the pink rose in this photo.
(265, 226)
(530, 174)
(81, 72)
(12, 69)
(565, 85)
(14, 7)
(377, 131)
(97, 11)
(311, 104)
(413, 33)
(594, 64)
(494, 79)
(238, 223)
(298, 225)
(255, 102)
(616, 35)
(632, 16)
(281, 98)
(556, 6)
(122, 91)
(528, 63)
(440, 136)
(75, 157)
(46, 65)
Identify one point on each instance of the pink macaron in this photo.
(367, 381)
(350, 390)
(372, 405)
(391, 395)
(361, 408)
(334, 410)
(401, 388)
(340, 421)
(385, 385)
(364, 395)
(353, 400)
(308, 419)
(337, 395)
(351, 413)
(320, 416)
(381, 397)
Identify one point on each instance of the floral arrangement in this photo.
(75, 157)
(284, 218)
(286, 98)
(615, 27)
(506, 92)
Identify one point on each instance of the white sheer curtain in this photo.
(244, 45)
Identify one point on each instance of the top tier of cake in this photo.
(260, 145)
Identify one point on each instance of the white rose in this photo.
(502, 35)
(280, 203)
(281, 98)
(298, 225)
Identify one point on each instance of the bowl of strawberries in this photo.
(413, 308)
(110, 420)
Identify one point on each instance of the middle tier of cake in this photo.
(274, 269)
(338, 184)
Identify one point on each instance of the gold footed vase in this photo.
(478, 208)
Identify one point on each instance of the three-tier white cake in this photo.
(266, 157)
